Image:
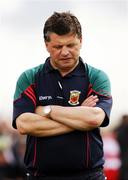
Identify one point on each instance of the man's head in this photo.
(61, 24)
(63, 39)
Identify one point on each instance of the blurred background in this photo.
(105, 46)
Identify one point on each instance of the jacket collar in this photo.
(78, 71)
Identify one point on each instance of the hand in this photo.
(90, 101)
(39, 110)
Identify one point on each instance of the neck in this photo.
(66, 71)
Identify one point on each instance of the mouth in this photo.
(65, 59)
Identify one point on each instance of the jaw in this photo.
(65, 66)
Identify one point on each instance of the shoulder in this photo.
(99, 80)
(29, 74)
(95, 73)
(26, 79)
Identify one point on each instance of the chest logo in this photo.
(74, 97)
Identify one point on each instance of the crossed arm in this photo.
(62, 119)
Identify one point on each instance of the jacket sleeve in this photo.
(100, 86)
(24, 97)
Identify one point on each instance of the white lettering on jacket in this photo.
(45, 98)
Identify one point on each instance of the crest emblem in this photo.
(74, 97)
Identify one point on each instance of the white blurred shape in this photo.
(9, 5)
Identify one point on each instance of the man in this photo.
(60, 106)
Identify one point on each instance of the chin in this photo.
(67, 66)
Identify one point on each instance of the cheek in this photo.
(76, 52)
(55, 53)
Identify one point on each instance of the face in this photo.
(64, 51)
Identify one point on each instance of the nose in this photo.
(64, 51)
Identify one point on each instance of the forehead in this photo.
(63, 39)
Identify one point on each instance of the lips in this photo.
(65, 59)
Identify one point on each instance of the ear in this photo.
(46, 45)
(80, 42)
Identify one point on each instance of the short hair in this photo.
(61, 24)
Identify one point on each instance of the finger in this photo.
(91, 101)
(90, 98)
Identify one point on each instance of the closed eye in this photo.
(71, 45)
(58, 47)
